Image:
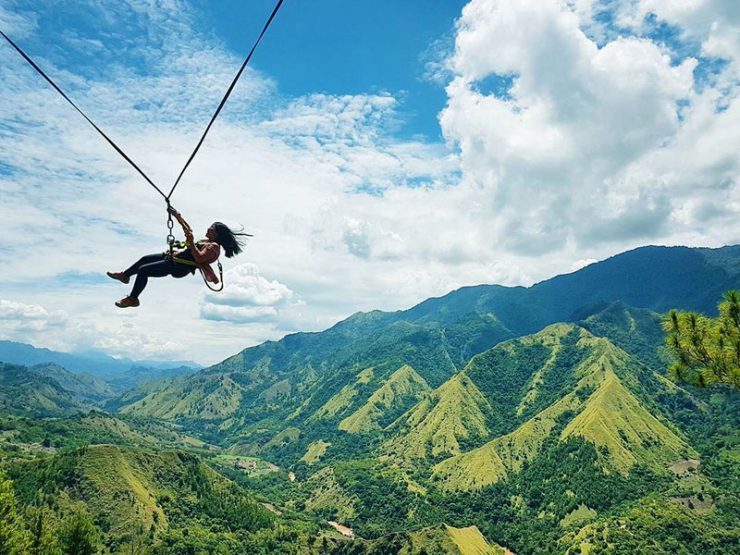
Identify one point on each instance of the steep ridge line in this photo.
(611, 417)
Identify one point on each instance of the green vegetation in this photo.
(400, 391)
(706, 350)
(46, 390)
(14, 539)
(441, 429)
(78, 535)
(439, 424)
(315, 451)
(134, 495)
(657, 526)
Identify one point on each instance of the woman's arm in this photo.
(185, 226)
(200, 255)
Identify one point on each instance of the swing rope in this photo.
(226, 96)
(119, 150)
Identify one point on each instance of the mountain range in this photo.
(313, 380)
(536, 418)
(120, 374)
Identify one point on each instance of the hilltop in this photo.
(539, 419)
(310, 380)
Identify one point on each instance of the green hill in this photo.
(401, 390)
(452, 415)
(48, 390)
(127, 489)
(599, 408)
(343, 400)
(205, 396)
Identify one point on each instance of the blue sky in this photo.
(331, 46)
(381, 152)
(341, 47)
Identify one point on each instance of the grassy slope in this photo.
(402, 389)
(328, 496)
(341, 400)
(453, 413)
(610, 416)
(315, 451)
(127, 488)
(657, 526)
(120, 486)
(470, 541)
(613, 418)
(48, 390)
(448, 539)
(207, 397)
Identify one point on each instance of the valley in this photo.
(490, 420)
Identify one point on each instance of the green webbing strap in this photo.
(183, 261)
(83, 114)
(226, 96)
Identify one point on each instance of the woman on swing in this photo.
(198, 255)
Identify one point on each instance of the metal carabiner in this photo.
(170, 226)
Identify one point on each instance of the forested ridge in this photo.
(533, 420)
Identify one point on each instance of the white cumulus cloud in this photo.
(247, 296)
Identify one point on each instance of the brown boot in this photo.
(127, 302)
(119, 276)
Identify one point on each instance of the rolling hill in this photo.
(48, 390)
(127, 489)
(293, 380)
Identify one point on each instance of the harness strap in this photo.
(203, 275)
(83, 114)
(183, 261)
(226, 96)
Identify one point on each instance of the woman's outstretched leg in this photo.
(153, 265)
(159, 268)
(125, 276)
(148, 259)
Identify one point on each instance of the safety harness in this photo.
(166, 197)
(186, 262)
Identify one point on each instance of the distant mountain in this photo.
(655, 278)
(313, 382)
(121, 374)
(48, 390)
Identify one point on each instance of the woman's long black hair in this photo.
(231, 241)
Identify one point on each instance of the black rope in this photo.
(226, 96)
(170, 236)
(106, 137)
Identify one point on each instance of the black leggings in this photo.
(154, 265)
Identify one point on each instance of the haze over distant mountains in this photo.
(536, 418)
(119, 373)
